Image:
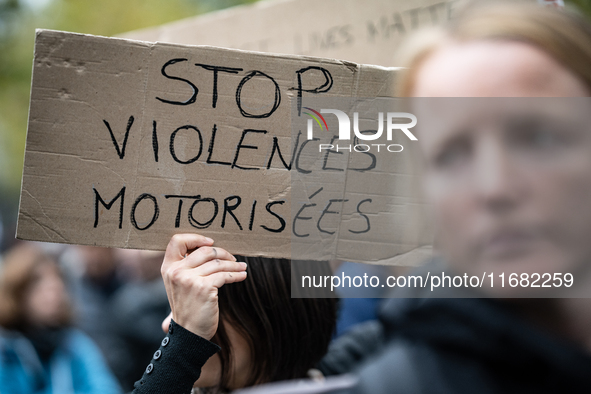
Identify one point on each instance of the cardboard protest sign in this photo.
(130, 142)
(365, 31)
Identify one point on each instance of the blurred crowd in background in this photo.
(115, 297)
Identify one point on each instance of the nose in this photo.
(496, 179)
(166, 322)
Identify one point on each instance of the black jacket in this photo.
(177, 364)
(470, 346)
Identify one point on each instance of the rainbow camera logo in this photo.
(315, 117)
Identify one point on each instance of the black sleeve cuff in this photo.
(177, 363)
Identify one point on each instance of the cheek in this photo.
(452, 211)
(211, 373)
(32, 303)
(564, 203)
(242, 362)
(40, 299)
(241, 359)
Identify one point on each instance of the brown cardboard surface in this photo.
(120, 129)
(365, 31)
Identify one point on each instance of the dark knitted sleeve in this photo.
(176, 365)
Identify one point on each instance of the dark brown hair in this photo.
(287, 336)
(19, 271)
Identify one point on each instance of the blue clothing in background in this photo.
(359, 304)
(76, 366)
(353, 311)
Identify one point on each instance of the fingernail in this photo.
(243, 264)
(209, 239)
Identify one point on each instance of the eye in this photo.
(453, 153)
(536, 137)
(536, 134)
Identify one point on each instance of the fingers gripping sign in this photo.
(193, 271)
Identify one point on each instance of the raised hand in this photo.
(193, 270)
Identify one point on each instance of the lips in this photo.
(507, 244)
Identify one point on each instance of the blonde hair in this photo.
(562, 34)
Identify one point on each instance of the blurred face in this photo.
(46, 297)
(212, 370)
(510, 182)
(98, 262)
